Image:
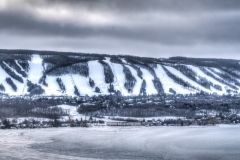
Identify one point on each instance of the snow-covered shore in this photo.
(218, 142)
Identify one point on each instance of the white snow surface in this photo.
(138, 84)
(8, 88)
(186, 79)
(168, 83)
(216, 70)
(115, 82)
(72, 109)
(36, 69)
(54, 88)
(83, 85)
(202, 74)
(73, 113)
(95, 143)
(150, 89)
(120, 78)
(96, 73)
(220, 77)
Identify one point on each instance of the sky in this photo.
(152, 28)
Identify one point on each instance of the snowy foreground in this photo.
(219, 142)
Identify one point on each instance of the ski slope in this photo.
(202, 74)
(8, 88)
(150, 89)
(120, 78)
(137, 87)
(96, 73)
(168, 83)
(36, 69)
(186, 79)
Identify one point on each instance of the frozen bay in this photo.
(212, 142)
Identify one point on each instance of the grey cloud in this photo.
(173, 23)
(216, 30)
(136, 5)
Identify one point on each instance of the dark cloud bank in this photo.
(206, 28)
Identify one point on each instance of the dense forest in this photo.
(117, 105)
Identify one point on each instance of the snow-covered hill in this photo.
(53, 73)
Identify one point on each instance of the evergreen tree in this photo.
(143, 88)
(6, 123)
(97, 90)
(2, 88)
(76, 92)
(111, 88)
(10, 82)
(91, 82)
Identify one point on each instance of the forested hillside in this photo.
(34, 73)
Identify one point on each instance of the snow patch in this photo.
(168, 83)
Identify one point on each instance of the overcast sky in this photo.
(159, 28)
